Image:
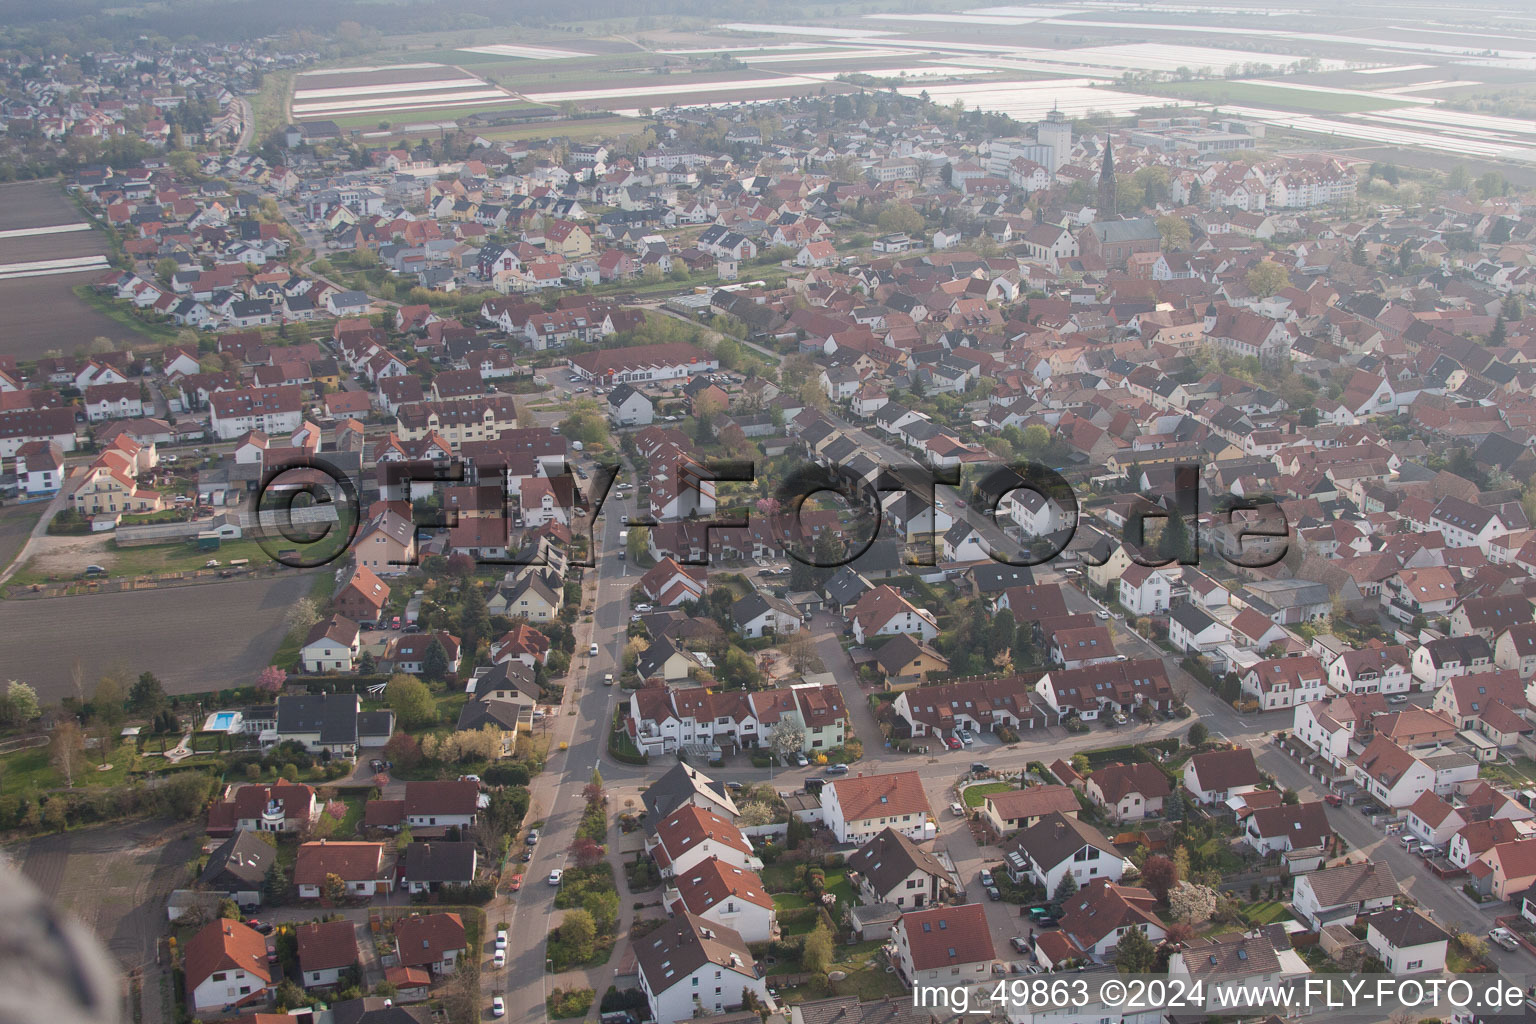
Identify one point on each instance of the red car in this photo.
(516, 883)
(953, 743)
(1333, 800)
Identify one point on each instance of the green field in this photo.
(1277, 97)
(974, 795)
(398, 118)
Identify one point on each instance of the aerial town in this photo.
(835, 556)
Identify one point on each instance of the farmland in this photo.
(235, 627)
(401, 89)
(1280, 97)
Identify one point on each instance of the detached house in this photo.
(689, 967)
(857, 808)
(884, 612)
(430, 942)
(360, 866)
(943, 945)
(726, 896)
(1217, 776)
(1057, 846)
(1128, 792)
(226, 966)
(890, 868)
(1338, 895)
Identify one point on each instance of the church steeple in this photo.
(1107, 199)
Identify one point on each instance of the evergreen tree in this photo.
(434, 663)
(1135, 953)
(1174, 543)
(147, 696)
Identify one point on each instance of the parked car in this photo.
(500, 959)
(532, 837)
(556, 875)
(1504, 937)
(1397, 698)
(498, 1007)
(592, 650)
(957, 810)
(1333, 800)
(501, 939)
(607, 678)
(952, 743)
(801, 760)
(986, 878)
(979, 768)
(994, 893)
(1020, 943)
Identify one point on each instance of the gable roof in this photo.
(327, 945)
(225, 945)
(890, 857)
(871, 796)
(945, 936)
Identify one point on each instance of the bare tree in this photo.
(67, 750)
(77, 677)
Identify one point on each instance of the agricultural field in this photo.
(235, 625)
(1318, 99)
(401, 89)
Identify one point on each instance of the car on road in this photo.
(1505, 938)
(958, 810)
(979, 768)
(952, 743)
(1397, 698)
(1020, 943)
(532, 837)
(642, 608)
(1102, 615)
(836, 769)
(734, 787)
(592, 651)
(556, 875)
(501, 938)
(607, 678)
(986, 878)
(498, 1007)
(1333, 800)
(994, 893)
(500, 959)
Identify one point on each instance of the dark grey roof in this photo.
(889, 858)
(332, 715)
(243, 858)
(677, 787)
(439, 862)
(1403, 927)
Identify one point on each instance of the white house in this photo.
(690, 967)
(326, 949)
(943, 945)
(331, 646)
(690, 835)
(225, 965)
(629, 408)
(724, 895)
(1278, 683)
(1216, 776)
(1337, 895)
(1057, 846)
(1406, 941)
(884, 612)
(858, 808)
(1145, 591)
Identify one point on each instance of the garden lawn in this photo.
(974, 795)
(1267, 912)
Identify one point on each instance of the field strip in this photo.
(450, 99)
(46, 268)
(530, 52)
(365, 91)
(785, 58)
(1394, 69)
(1449, 83)
(782, 82)
(51, 229)
(367, 70)
(803, 30)
(1330, 90)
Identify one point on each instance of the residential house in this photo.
(1128, 792)
(856, 808)
(430, 942)
(891, 868)
(1217, 776)
(1338, 895)
(943, 945)
(1058, 846)
(225, 965)
(690, 966)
